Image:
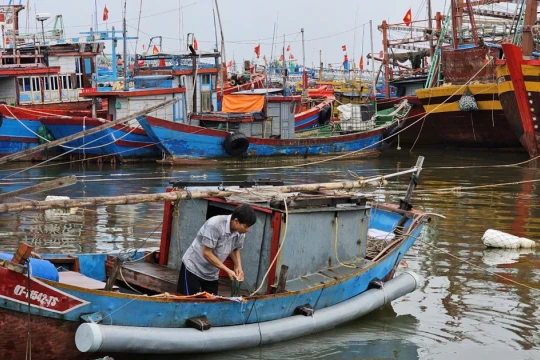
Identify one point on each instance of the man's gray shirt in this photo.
(214, 234)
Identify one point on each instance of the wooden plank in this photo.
(78, 279)
(44, 186)
(282, 279)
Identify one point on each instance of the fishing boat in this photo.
(463, 71)
(350, 248)
(261, 126)
(41, 76)
(518, 83)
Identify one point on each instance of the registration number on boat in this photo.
(44, 299)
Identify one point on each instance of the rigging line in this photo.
(476, 266)
(138, 27)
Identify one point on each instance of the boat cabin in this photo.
(261, 113)
(42, 73)
(318, 233)
(185, 77)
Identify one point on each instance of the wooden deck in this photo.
(159, 278)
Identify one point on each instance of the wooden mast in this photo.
(527, 42)
(384, 28)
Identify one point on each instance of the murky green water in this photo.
(463, 310)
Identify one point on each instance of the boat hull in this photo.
(486, 128)
(518, 83)
(125, 143)
(187, 142)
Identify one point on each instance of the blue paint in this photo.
(194, 145)
(132, 310)
(20, 135)
(104, 142)
(39, 268)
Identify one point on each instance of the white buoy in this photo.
(499, 239)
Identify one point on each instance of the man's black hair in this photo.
(245, 215)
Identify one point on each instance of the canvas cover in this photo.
(242, 103)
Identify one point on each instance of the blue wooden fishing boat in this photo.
(315, 259)
(266, 131)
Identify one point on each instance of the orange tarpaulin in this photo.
(242, 103)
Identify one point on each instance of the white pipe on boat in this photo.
(92, 337)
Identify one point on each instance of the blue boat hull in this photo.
(119, 141)
(130, 310)
(183, 141)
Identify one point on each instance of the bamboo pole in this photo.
(81, 134)
(48, 185)
(184, 195)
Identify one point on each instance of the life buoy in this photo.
(236, 144)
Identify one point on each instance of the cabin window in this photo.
(36, 86)
(54, 82)
(24, 84)
(66, 82)
(46, 83)
(78, 74)
(206, 98)
(206, 79)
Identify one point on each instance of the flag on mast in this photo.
(258, 50)
(408, 18)
(195, 44)
(289, 48)
(344, 47)
(105, 13)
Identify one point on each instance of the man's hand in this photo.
(232, 275)
(239, 274)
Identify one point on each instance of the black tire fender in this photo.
(236, 144)
(324, 115)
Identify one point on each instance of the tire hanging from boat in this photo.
(324, 115)
(236, 144)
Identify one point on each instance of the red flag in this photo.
(195, 45)
(281, 58)
(105, 13)
(291, 56)
(344, 47)
(289, 48)
(155, 50)
(408, 18)
(258, 50)
(229, 64)
(361, 62)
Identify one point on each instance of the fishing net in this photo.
(467, 101)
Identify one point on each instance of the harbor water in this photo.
(474, 302)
